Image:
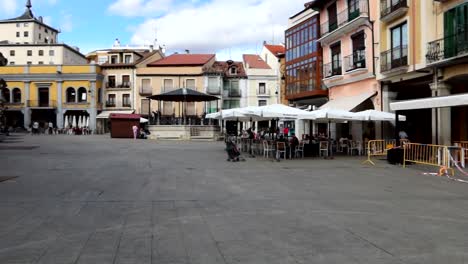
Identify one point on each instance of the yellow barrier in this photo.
(378, 148)
(432, 155)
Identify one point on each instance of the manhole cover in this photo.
(7, 178)
(17, 147)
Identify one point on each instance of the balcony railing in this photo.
(121, 85)
(111, 85)
(332, 69)
(40, 104)
(110, 104)
(394, 58)
(448, 47)
(232, 93)
(387, 7)
(146, 91)
(357, 60)
(213, 90)
(263, 92)
(344, 17)
(126, 105)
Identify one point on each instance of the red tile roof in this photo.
(277, 50)
(183, 60)
(255, 62)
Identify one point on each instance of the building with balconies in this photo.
(262, 84)
(348, 39)
(46, 93)
(168, 74)
(302, 74)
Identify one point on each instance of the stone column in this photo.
(441, 117)
(59, 105)
(92, 110)
(27, 110)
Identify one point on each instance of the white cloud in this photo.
(218, 25)
(8, 7)
(140, 7)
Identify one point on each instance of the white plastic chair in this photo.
(267, 149)
(280, 149)
(323, 148)
(355, 145)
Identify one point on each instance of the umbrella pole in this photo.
(330, 147)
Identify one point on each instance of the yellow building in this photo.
(48, 93)
(423, 47)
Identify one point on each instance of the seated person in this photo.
(294, 141)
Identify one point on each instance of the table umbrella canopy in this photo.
(184, 95)
(329, 114)
(374, 115)
(278, 111)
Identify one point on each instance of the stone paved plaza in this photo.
(91, 199)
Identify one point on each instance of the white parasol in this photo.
(65, 122)
(74, 121)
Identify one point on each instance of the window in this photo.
(229, 104)
(332, 17)
(102, 59)
(261, 88)
(353, 9)
(336, 59)
(12, 53)
(233, 70)
(40, 62)
(146, 86)
(17, 34)
(114, 59)
(262, 102)
(29, 52)
(82, 95)
(29, 62)
(126, 100)
(26, 24)
(399, 41)
(40, 36)
(145, 107)
(16, 96)
(110, 100)
(455, 31)
(359, 51)
(128, 59)
(167, 85)
(71, 95)
(191, 109)
(12, 63)
(47, 31)
(26, 33)
(213, 85)
(6, 95)
(168, 108)
(126, 81)
(111, 81)
(99, 95)
(51, 52)
(18, 24)
(41, 53)
(190, 83)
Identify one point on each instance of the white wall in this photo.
(61, 55)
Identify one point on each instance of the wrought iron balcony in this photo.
(390, 10)
(263, 92)
(357, 60)
(42, 104)
(394, 58)
(345, 17)
(449, 47)
(110, 104)
(332, 69)
(111, 85)
(213, 90)
(232, 93)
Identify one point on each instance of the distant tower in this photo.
(28, 4)
(116, 43)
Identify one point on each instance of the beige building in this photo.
(262, 83)
(168, 74)
(28, 40)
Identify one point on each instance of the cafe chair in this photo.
(300, 149)
(355, 146)
(280, 149)
(323, 148)
(267, 149)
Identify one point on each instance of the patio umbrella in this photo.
(87, 121)
(374, 115)
(74, 121)
(143, 120)
(65, 122)
(216, 115)
(279, 111)
(80, 121)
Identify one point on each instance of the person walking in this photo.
(51, 128)
(135, 132)
(35, 128)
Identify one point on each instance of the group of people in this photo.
(140, 133)
(48, 128)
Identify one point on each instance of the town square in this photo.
(214, 131)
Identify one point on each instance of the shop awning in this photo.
(431, 102)
(106, 114)
(348, 103)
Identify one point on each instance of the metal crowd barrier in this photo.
(378, 148)
(426, 154)
(464, 145)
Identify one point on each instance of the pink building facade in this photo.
(348, 39)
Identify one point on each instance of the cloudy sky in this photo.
(228, 28)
